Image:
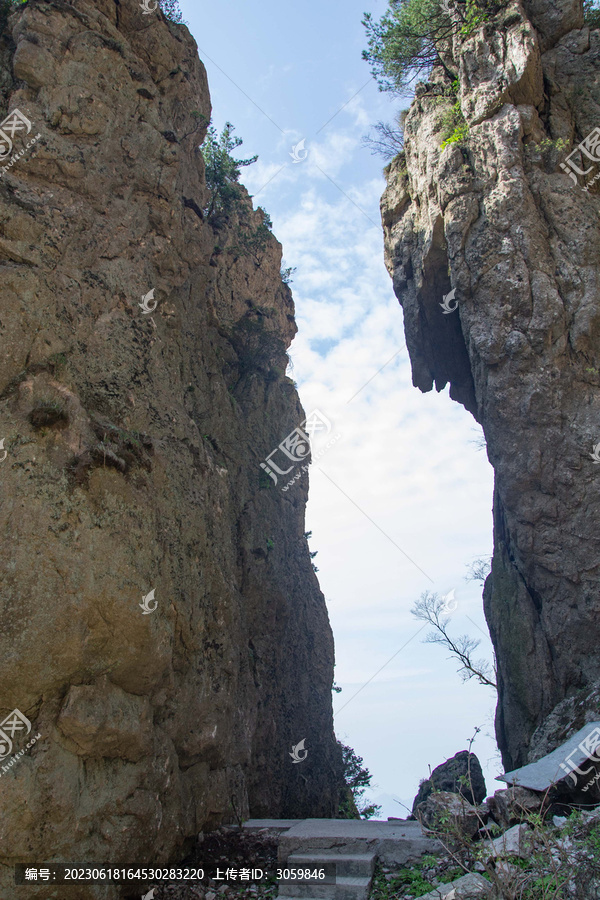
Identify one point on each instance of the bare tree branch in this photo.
(430, 608)
(479, 569)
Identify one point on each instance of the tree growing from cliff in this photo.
(171, 10)
(357, 779)
(415, 35)
(431, 608)
(223, 170)
(227, 197)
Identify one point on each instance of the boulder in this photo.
(508, 807)
(445, 811)
(448, 777)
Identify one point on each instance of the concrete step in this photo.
(276, 825)
(393, 842)
(347, 864)
(345, 888)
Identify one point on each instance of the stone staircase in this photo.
(353, 845)
(354, 872)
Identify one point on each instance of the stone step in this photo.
(347, 864)
(393, 842)
(277, 825)
(345, 888)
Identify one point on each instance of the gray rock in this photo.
(444, 811)
(469, 887)
(447, 777)
(514, 842)
(567, 717)
(512, 805)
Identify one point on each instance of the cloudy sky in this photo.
(401, 503)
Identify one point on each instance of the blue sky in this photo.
(402, 502)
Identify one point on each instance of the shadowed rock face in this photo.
(461, 774)
(495, 218)
(133, 447)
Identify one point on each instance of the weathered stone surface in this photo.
(496, 219)
(104, 721)
(153, 726)
(448, 775)
(444, 811)
(567, 718)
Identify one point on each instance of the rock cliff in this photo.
(506, 216)
(131, 458)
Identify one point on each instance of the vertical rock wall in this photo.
(495, 217)
(133, 444)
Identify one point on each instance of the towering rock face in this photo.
(494, 217)
(130, 466)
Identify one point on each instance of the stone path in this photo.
(353, 845)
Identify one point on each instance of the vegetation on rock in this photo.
(171, 10)
(357, 779)
(415, 35)
(591, 13)
(228, 198)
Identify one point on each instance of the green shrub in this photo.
(475, 15)
(455, 126)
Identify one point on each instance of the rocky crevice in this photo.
(495, 218)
